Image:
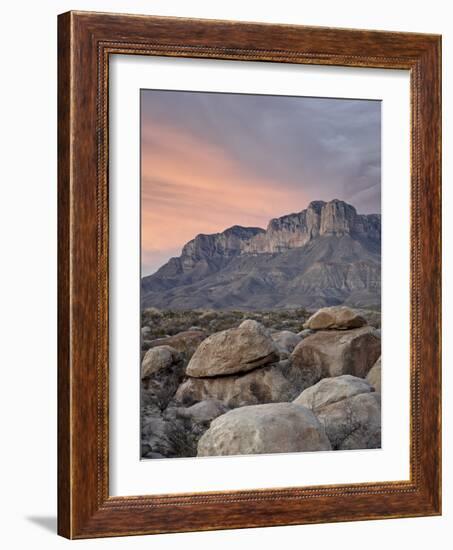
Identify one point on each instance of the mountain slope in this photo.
(325, 255)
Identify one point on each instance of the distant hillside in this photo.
(325, 255)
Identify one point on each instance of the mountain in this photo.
(325, 255)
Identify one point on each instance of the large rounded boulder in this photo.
(233, 350)
(332, 390)
(271, 428)
(353, 423)
(337, 352)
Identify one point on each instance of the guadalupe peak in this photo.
(320, 218)
(321, 256)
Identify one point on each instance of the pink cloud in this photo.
(190, 186)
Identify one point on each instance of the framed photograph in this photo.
(249, 275)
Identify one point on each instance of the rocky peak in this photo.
(217, 245)
(337, 218)
(320, 218)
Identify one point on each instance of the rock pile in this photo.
(248, 389)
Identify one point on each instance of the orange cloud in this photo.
(190, 186)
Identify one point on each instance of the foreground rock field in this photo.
(235, 383)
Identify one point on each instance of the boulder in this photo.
(270, 384)
(146, 332)
(163, 437)
(304, 333)
(162, 373)
(337, 352)
(197, 419)
(372, 317)
(353, 423)
(203, 412)
(157, 359)
(286, 341)
(233, 350)
(185, 342)
(332, 390)
(335, 317)
(271, 428)
(374, 376)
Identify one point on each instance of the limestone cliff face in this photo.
(320, 255)
(229, 243)
(291, 231)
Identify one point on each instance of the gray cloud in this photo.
(330, 147)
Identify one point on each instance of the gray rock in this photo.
(149, 454)
(335, 317)
(203, 412)
(233, 350)
(304, 333)
(286, 341)
(162, 373)
(272, 428)
(332, 390)
(337, 352)
(353, 423)
(164, 437)
(372, 317)
(374, 376)
(270, 384)
(146, 332)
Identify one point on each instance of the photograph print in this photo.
(260, 274)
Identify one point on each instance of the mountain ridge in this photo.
(325, 254)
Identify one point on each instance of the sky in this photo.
(211, 160)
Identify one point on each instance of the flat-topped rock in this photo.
(234, 350)
(335, 317)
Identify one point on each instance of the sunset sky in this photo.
(210, 161)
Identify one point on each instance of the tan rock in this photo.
(338, 352)
(271, 428)
(269, 384)
(157, 359)
(332, 390)
(335, 317)
(374, 376)
(233, 350)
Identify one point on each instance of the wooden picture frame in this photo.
(85, 42)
